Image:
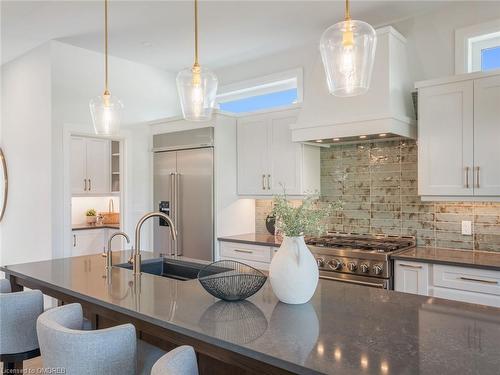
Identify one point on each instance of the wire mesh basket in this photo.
(230, 280)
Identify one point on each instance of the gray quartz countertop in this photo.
(94, 226)
(345, 329)
(253, 239)
(454, 257)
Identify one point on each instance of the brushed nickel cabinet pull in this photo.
(409, 266)
(478, 280)
(263, 182)
(74, 240)
(90, 185)
(268, 182)
(477, 177)
(84, 184)
(243, 251)
(467, 178)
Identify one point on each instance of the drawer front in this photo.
(245, 252)
(468, 279)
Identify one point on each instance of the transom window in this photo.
(278, 90)
(477, 48)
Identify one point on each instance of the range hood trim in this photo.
(400, 127)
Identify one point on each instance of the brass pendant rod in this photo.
(106, 87)
(196, 33)
(347, 10)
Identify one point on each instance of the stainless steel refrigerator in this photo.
(183, 189)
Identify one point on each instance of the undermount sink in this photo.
(171, 268)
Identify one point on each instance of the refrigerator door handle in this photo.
(173, 209)
(178, 250)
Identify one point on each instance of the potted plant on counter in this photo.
(91, 215)
(293, 272)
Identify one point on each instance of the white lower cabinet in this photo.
(93, 241)
(257, 256)
(411, 277)
(464, 284)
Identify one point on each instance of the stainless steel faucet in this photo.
(109, 253)
(137, 250)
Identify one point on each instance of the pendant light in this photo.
(106, 110)
(348, 52)
(197, 86)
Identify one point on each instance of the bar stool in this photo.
(180, 361)
(65, 346)
(18, 314)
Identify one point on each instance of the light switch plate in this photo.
(467, 227)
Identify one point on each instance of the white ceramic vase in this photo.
(293, 272)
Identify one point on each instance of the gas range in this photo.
(358, 258)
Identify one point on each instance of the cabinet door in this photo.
(252, 156)
(98, 166)
(487, 136)
(411, 277)
(445, 138)
(285, 156)
(78, 165)
(87, 242)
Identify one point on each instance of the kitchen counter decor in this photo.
(293, 272)
(230, 280)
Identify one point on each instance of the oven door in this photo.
(373, 282)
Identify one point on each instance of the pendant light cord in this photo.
(106, 89)
(347, 10)
(196, 33)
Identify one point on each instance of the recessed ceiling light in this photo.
(336, 139)
(319, 140)
(362, 136)
(382, 135)
(147, 44)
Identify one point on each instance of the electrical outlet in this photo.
(467, 227)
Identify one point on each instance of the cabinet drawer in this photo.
(246, 252)
(468, 279)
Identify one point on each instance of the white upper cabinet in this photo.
(487, 136)
(445, 154)
(458, 133)
(78, 165)
(90, 166)
(268, 159)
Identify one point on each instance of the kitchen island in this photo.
(344, 329)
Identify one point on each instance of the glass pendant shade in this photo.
(197, 88)
(348, 52)
(106, 111)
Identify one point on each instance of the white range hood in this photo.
(385, 111)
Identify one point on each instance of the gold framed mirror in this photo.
(4, 184)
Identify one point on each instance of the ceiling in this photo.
(159, 33)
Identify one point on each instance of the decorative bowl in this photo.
(230, 280)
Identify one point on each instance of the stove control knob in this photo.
(352, 266)
(377, 269)
(365, 268)
(320, 262)
(335, 264)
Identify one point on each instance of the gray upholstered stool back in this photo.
(18, 314)
(64, 345)
(180, 361)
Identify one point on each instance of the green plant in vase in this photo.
(293, 272)
(91, 215)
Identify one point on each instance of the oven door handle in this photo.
(365, 283)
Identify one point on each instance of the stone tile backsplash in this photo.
(377, 182)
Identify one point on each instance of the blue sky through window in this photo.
(490, 58)
(260, 102)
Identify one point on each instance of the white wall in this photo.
(431, 37)
(26, 140)
(47, 92)
(430, 43)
